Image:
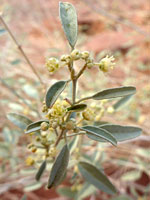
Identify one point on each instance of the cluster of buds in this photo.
(56, 113)
(52, 64)
(104, 65)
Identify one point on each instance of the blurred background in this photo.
(115, 27)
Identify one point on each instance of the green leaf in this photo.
(41, 170)
(97, 134)
(122, 133)
(67, 192)
(32, 187)
(54, 91)
(122, 102)
(68, 18)
(35, 126)
(73, 144)
(122, 197)
(77, 108)
(114, 93)
(59, 167)
(86, 190)
(19, 120)
(131, 175)
(95, 177)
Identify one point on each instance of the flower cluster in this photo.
(104, 65)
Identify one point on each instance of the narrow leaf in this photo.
(59, 167)
(67, 192)
(33, 187)
(35, 126)
(114, 93)
(19, 120)
(95, 177)
(68, 18)
(77, 108)
(40, 171)
(122, 133)
(122, 102)
(54, 92)
(96, 133)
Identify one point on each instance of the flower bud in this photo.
(88, 114)
(70, 125)
(75, 54)
(65, 58)
(44, 126)
(85, 55)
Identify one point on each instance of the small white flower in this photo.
(106, 63)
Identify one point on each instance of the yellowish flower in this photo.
(52, 64)
(88, 114)
(29, 161)
(106, 63)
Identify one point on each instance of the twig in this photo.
(20, 49)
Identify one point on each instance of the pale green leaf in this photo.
(54, 91)
(122, 133)
(59, 167)
(41, 170)
(131, 175)
(86, 190)
(77, 108)
(19, 120)
(122, 102)
(67, 192)
(95, 177)
(68, 18)
(33, 187)
(97, 134)
(114, 93)
(35, 126)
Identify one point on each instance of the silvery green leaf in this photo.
(86, 190)
(97, 134)
(77, 108)
(114, 93)
(33, 186)
(68, 18)
(41, 170)
(122, 133)
(59, 167)
(19, 120)
(67, 192)
(95, 177)
(53, 92)
(35, 126)
(122, 102)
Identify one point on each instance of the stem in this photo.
(59, 137)
(74, 87)
(83, 99)
(81, 71)
(21, 50)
